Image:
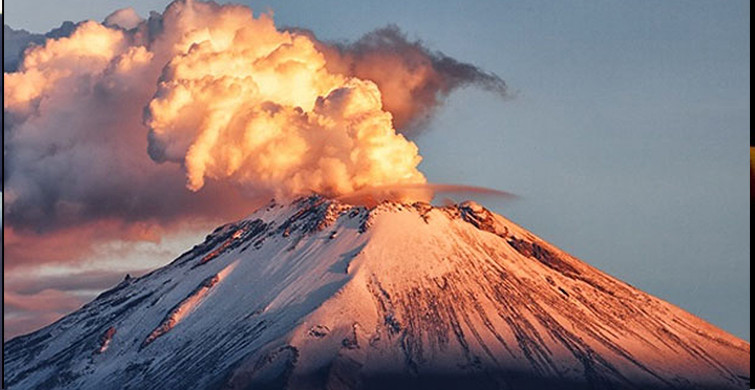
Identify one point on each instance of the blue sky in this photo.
(627, 139)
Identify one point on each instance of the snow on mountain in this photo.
(320, 294)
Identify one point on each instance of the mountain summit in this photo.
(321, 294)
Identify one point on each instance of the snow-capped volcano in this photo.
(320, 294)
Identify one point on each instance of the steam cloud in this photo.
(258, 106)
(116, 120)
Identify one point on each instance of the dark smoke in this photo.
(414, 80)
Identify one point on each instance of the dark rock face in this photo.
(535, 250)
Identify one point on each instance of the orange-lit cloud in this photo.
(258, 107)
(45, 300)
(64, 246)
(22, 312)
(233, 105)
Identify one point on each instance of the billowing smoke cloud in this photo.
(16, 41)
(125, 18)
(114, 121)
(75, 146)
(259, 107)
(413, 79)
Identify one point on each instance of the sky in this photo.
(625, 135)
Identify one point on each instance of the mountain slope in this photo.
(321, 294)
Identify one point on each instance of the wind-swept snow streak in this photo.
(187, 306)
(106, 338)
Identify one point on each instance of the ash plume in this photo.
(114, 121)
(414, 80)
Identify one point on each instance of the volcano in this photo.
(320, 294)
